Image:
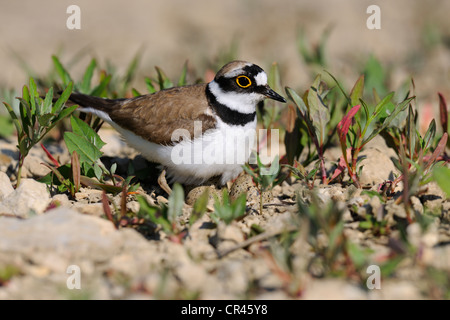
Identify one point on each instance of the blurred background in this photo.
(414, 39)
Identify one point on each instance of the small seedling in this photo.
(227, 210)
(265, 178)
(165, 216)
(355, 130)
(37, 117)
(299, 172)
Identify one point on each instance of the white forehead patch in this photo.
(237, 71)
(261, 79)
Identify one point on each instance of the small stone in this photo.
(417, 205)
(5, 160)
(61, 200)
(34, 167)
(378, 167)
(30, 195)
(5, 186)
(92, 209)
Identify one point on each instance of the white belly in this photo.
(218, 152)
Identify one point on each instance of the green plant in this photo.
(323, 222)
(227, 210)
(300, 173)
(378, 227)
(37, 117)
(265, 178)
(355, 131)
(165, 216)
(416, 155)
(316, 116)
(442, 176)
(84, 145)
(163, 81)
(199, 207)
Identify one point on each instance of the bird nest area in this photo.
(295, 238)
(353, 205)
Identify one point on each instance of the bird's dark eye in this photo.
(243, 81)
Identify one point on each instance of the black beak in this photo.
(269, 93)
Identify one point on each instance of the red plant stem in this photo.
(19, 171)
(49, 155)
(352, 172)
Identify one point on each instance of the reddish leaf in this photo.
(76, 171)
(345, 123)
(49, 155)
(107, 209)
(123, 202)
(443, 112)
(292, 116)
(339, 170)
(438, 151)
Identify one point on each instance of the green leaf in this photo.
(357, 92)
(87, 77)
(26, 116)
(229, 211)
(199, 207)
(163, 80)
(400, 107)
(14, 118)
(349, 101)
(379, 107)
(63, 74)
(99, 90)
(135, 93)
(150, 86)
(182, 80)
(59, 104)
(366, 224)
(35, 107)
(97, 171)
(86, 149)
(47, 106)
(64, 113)
(176, 202)
(357, 254)
(45, 119)
(6, 126)
(429, 135)
(411, 132)
(154, 214)
(57, 175)
(81, 128)
(442, 177)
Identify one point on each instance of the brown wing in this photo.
(154, 117)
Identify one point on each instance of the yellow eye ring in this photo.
(243, 81)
